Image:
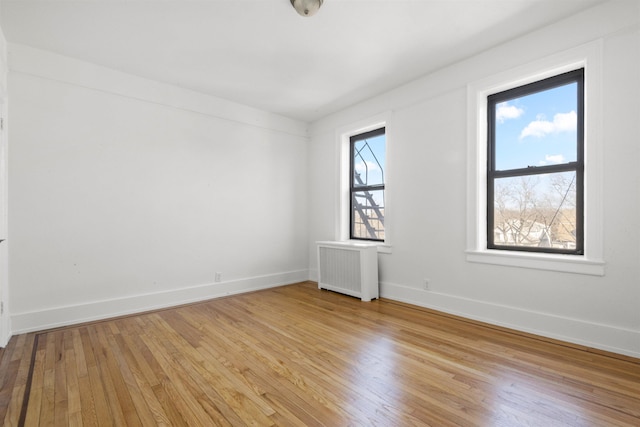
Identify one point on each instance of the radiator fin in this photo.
(341, 268)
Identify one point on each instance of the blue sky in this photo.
(537, 129)
(368, 163)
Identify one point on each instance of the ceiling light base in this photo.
(306, 7)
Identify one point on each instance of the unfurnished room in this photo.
(320, 213)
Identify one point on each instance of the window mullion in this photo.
(536, 170)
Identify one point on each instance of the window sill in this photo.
(551, 262)
(383, 248)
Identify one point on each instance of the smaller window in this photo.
(535, 166)
(367, 164)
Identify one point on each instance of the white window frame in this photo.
(343, 135)
(588, 56)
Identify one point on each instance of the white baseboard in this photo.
(584, 333)
(98, 310)
(5, 329)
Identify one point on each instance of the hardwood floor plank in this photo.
(21, 362)
(150, 409)
(86, 369)
(47, 410)
(138, 410)
(174, 416)
(256, 376)
(60, 386)
(81, 363)
(74, 402)
(35, 408)
(8, 374)
(118, 394)
(298, 356)
(222, 397)
(101, 408)
(184, 395)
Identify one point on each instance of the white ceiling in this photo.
(261, 53)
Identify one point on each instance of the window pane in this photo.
(368, 215)
(538, 129)
(536, 211)
(368, 161)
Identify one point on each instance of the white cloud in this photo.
(506, 111)
(362, 167)
(552, 158)
(566, 122)
(562, 122)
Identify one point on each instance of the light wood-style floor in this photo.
(294, 356)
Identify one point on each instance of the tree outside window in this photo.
(536, 166)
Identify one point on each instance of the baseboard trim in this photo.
(40, 320)
(5, 336)
(587, 334)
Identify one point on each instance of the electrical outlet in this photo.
(426, 284)
(218, 276)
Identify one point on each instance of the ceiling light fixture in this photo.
(306, 7)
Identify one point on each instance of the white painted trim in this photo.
(589, 56)
(98, 310)
(551, 262)
(5, 318)
(590, 334)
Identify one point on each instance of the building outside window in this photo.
(367, 182)
(535, 166)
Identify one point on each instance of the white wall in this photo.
(427, 167)
(126, 194)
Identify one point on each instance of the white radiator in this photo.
(349, 268)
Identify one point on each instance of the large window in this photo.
(533, 129)
(367, 165)
(535, 166)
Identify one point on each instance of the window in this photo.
(364, 207)
(589, 260)
(535, 166)
(366, 188)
